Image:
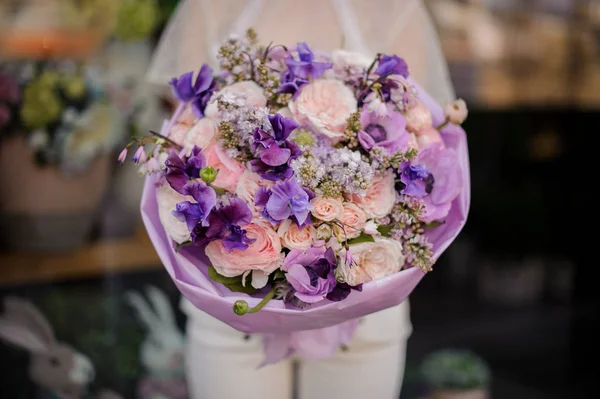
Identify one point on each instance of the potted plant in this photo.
(455, 374)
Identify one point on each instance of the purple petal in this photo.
(304, 52)
(204, 195)
(365, 140)
(189, 213)
(262, 138)
(391, 65)
(319, 68)
(175, 174)
(182, 87)
(262, 196)
(282, 127)
(278, 205)
(237, 239)
(204, 79)
(275, 156)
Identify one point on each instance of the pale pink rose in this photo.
(418, 118)
(229, 169)
(324, 104)
(380, 198)
(178, 132)
(200, 134)
(326, 209)
(254, 94)
(167, 199)
(429, 136)
(285, 112)
(374, 260)
(354, 219)
(294, 238)
(457, 111)
(348, 63)
(262, 257)
(248, 184)
(187, 117)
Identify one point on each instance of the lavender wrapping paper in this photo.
(333, 323)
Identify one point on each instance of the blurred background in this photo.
(510, 308)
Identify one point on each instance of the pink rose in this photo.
(353, 219)
(429, 136)
(348, 62)
(294, 238)
(200, 134)
(380, 198)
(327, 209)
(374, 260)
(254, 94)
(167, 199)
(229, 169)
(325, 105)
(262, 257)
(187, 117)
(418, 118)
(248, 184)
(457, 111)
(178, 133)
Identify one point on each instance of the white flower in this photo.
(457, 111)
(167, 199)
(374, 260)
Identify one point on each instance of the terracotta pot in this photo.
(41, 209)
(459, 394)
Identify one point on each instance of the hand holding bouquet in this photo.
(295, 190)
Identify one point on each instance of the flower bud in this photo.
(208, 174)
(240, 307)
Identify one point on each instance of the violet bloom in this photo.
(274, 150)
(194, 214)
(445, 169)
(341, 291)
(388, 132)
(199, 93)
(391, 65)
(291, 84)
(226, 222)
(417, 180)
(311, 273)
(285, 200)
(180, 171)
(306, 67)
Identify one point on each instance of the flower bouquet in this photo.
(295, 190)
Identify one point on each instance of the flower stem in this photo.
(174, 144)
(174, 118)
(241, 307)
(443, 124)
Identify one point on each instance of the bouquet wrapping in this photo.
(294, 192)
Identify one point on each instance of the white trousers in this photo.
(221, 363)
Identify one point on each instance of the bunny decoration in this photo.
(60, 371)
(162, 351)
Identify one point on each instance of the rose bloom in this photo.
(178, 133)
(167, 199)
(380, 198)
(294, 238)
(348, 61)
(326, 209)
(248, 184)
(353, 219)
(200, 134)
(457, 111)
(418, 118)
(255, 96)
(429, 136)
(374, 260)
(262, 257)
(325, 105)
(443, 165)
(230, 170)
(187, 117)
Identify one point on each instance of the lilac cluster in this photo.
(197, 94)
(274, 150)
(301, 70)
(347, 168)
(311, 273)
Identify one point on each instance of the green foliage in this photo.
(361, 238)
(234, 284)
(455, 369)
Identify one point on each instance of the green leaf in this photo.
(361, 238)
(384, 230)
(434, 224)
(232, 283)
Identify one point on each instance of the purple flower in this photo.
(417, 180)
(291, 84)
(311, 273)
(306, 67)
(9, 90)
(286, 200)
(447, 180)
(388, 132)
(226, 222)
(341, 291)
(180, 171)
(194, 214)
(274, 150)
(198, 94)
(391, 65)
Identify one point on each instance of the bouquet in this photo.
(62, 110)
(295, 190)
